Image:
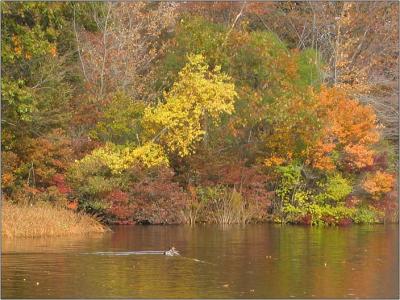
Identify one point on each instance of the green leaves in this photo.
(121, 121)
(29, 30)
(310, 66)
(17, 100)
(337, 188)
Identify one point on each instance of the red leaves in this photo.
(59, 181)
(121, 208)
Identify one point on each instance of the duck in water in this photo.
(171, 252)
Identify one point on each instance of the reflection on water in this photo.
(252, 261)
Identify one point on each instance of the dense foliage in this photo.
(159, 113)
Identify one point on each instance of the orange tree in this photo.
(315, 139)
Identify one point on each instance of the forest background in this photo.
(217, 112)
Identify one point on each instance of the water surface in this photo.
(252, 261)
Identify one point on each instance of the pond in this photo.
(251, 261)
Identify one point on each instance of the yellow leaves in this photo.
(178, 125)
(18, 50)
(17, 45)
(16, 40)
(198, 96)
(119, 158)
(378, 183)
(150, 155)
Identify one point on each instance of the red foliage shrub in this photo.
(46, 156)
(250, 181)
(352, 201)
(252, 184)
(9, 163)
(83, 146)
(59, 181)
(158, 200)
(305, 220)
(329, 220)
(344, 222)
(121, 208)
(380, 162)
(388, 205)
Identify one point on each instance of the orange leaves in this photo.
(53, 51)
(17, 44)
(378, 183)
(7, 179)
(358, 156)
(73, 205)
(349, 121)
(323, 130)
(274, 161)
(348, 126)
(319, 157)
(9, 164)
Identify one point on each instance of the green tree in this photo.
(120, 122)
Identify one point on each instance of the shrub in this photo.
(156, 198)
(291, 187)
(120, 122)
(335, 189)
(118, 158)
(120, 209)
(367, 215)
(9, 164)
(292, 214)
(224, 205)
(314, 214)
(378, 183)
(388, 206)
(52, 195)
(123, 184)
(44, 157)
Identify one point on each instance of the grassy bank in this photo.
(45, 220)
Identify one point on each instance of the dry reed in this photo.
(45, 220)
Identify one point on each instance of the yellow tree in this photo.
(198, 97)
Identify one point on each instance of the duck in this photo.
(171, 252)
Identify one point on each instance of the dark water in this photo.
(253, 261)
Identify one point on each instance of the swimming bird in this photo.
(171, 252)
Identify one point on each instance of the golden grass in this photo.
(45, 220)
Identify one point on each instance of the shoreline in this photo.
(47, 220)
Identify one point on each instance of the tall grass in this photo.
(221, 205)
(45, 220)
